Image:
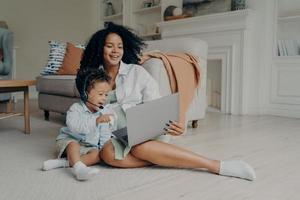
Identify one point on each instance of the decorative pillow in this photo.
(71, 60)
(55, 58)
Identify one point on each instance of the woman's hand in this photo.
(174, 128)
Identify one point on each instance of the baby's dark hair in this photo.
(93, 53)
(87, 77)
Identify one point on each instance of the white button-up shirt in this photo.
(134, 85)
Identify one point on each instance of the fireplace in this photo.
(230, 39)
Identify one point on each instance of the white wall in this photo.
(35, 22)
(277, 77)
(288, 7)
(289, 29)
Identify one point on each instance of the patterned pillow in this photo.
(56, 57)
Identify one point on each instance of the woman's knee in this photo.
(142, 149)
(107, 153)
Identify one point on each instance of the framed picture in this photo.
(204, 7)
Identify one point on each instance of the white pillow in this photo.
(56, 57)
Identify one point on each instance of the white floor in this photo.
(270, 144)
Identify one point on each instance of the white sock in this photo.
(82, 172)
(237, 168)
(55, 163)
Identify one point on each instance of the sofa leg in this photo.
(46, 115)
(195, 123)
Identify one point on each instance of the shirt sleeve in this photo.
(106, 128)
(108, 109)
(105, 134)
(79, 121)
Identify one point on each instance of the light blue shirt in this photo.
(82, 126)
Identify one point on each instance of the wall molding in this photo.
(284, 87)
(227, 21)
(283, 110)
(223, 54)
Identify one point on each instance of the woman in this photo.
(116, 49)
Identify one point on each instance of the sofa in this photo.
(58, 92)
(6, 57)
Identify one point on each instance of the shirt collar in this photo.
(86, 109)
(123, 70)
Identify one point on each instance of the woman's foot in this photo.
(237, 168)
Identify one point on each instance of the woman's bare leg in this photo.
(108, 155)
(169, 155)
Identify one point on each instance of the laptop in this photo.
(147, 120)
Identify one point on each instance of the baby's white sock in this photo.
(55, 163)
(237, 168)
(82, 172)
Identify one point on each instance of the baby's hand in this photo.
(105, 118)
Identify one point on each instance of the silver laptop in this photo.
(148, 120)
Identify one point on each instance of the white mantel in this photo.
(230, 38)
(235, 20)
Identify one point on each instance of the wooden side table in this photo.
(18, 86)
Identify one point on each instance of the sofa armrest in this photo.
(156, 68)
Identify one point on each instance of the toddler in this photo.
(89, 124)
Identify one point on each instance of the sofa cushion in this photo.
(63, 85)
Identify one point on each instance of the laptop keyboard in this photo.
(121, 134)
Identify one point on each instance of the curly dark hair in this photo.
(132, 45)
(87, 77)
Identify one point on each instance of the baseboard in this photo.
(294, 113)
(256, 111)
(279, 110)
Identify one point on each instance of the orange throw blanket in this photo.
(184, 76)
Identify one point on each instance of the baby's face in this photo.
(98, 95)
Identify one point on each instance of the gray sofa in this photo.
(58, 92)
